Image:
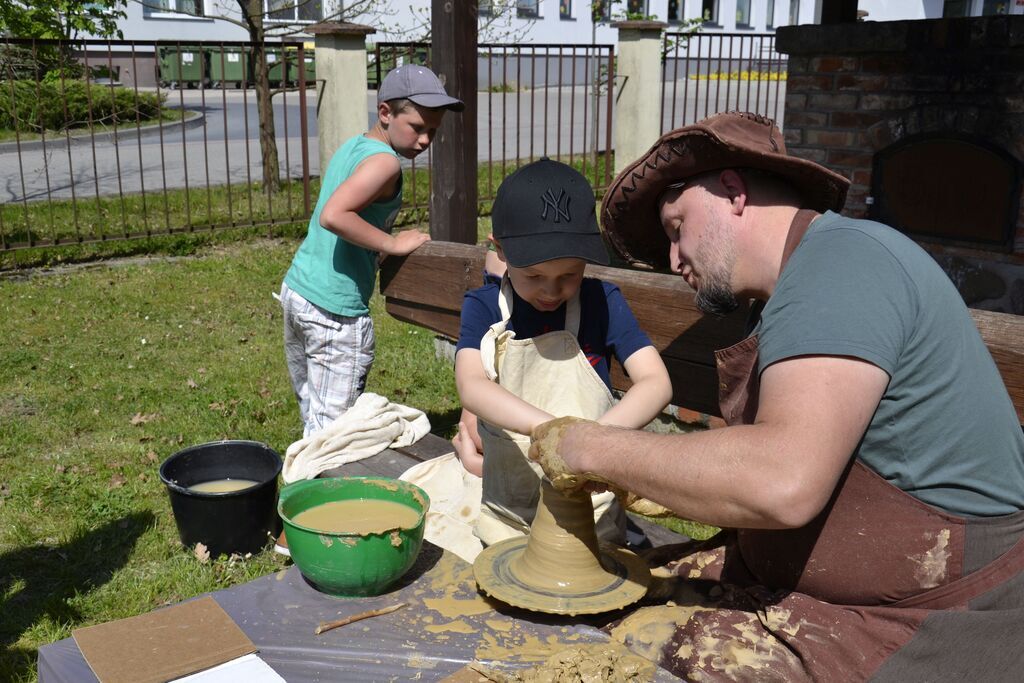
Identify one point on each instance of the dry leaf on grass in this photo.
(116, 481)
(140, 418)
(202, 553)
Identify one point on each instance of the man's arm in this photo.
(776, 473)
(374, 179)
(650, 393)
(489, 400)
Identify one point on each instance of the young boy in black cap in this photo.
(328, 332)
(539, 345)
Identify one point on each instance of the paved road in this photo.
(224, 148)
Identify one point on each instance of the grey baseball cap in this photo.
(419, 85)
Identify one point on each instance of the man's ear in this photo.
(735, 190)
(497, 247)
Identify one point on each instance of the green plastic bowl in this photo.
(350, 564)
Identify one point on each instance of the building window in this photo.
(794, 12)
(636, 9)
(485, 8)
(602, 10)
(770, 16)
(193, 7)
(709, 12)
(528, 9)
(675, 11)
(991, 7)
(295, 10)
(742, 13)
(565, 9)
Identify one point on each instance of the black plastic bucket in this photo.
(235, 522)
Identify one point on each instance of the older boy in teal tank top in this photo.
(328, 333)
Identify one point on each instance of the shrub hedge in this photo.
(28, 106)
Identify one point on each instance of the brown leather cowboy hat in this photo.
(629, 211)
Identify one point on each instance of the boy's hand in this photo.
(468, 452)
(406, 242)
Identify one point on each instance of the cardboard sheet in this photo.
(163, 645)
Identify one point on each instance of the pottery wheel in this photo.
(626, 583)
(560, 568)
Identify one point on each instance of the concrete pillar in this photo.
(341, 83)
(638, 100)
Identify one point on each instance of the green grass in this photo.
(106, 371)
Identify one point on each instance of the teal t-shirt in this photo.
(328, 271)
(945, 430)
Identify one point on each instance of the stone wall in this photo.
(855, 89)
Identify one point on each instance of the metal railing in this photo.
(126, 139)
(703, 74)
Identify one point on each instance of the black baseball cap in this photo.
(545, 211)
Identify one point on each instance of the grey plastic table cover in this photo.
(424, 641)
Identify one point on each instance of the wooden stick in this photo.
(328, 625)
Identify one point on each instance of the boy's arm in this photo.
(489, 400)
(374, 179)
(650, 393)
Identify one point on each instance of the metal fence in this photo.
(703, 74)
(107, 140)
(532, 101)
(80, 162)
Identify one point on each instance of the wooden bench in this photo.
(426, 288)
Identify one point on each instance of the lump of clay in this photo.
(593, 663)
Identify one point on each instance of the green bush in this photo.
(54, 105)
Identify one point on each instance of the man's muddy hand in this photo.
(544, 449)
(544, 446)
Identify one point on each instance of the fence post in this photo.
(340, 84)
(637, 101)
(453, 172)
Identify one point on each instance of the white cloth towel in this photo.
(368, 427)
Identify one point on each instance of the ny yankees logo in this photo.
(555, 204)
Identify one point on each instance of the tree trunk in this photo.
(268, 141)
(253, 14)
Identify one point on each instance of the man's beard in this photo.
(716, 298)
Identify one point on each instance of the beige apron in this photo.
(552, 373)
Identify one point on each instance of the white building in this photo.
(530, 21)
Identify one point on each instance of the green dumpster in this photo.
(276, 69)
(181, 66)
(229, 66)
(293, 67)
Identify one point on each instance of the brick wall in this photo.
(855, 89)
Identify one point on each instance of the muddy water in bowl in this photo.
(365, 532)
(358, 517)
(222, 485)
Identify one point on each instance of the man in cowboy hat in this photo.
(871, 479)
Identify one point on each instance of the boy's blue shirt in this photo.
(327, 270)
(607, 324)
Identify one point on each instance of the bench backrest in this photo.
(426, 288)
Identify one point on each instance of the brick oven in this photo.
(927, 120)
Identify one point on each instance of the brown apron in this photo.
(879, 585)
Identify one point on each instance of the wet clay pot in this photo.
(235, 522)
